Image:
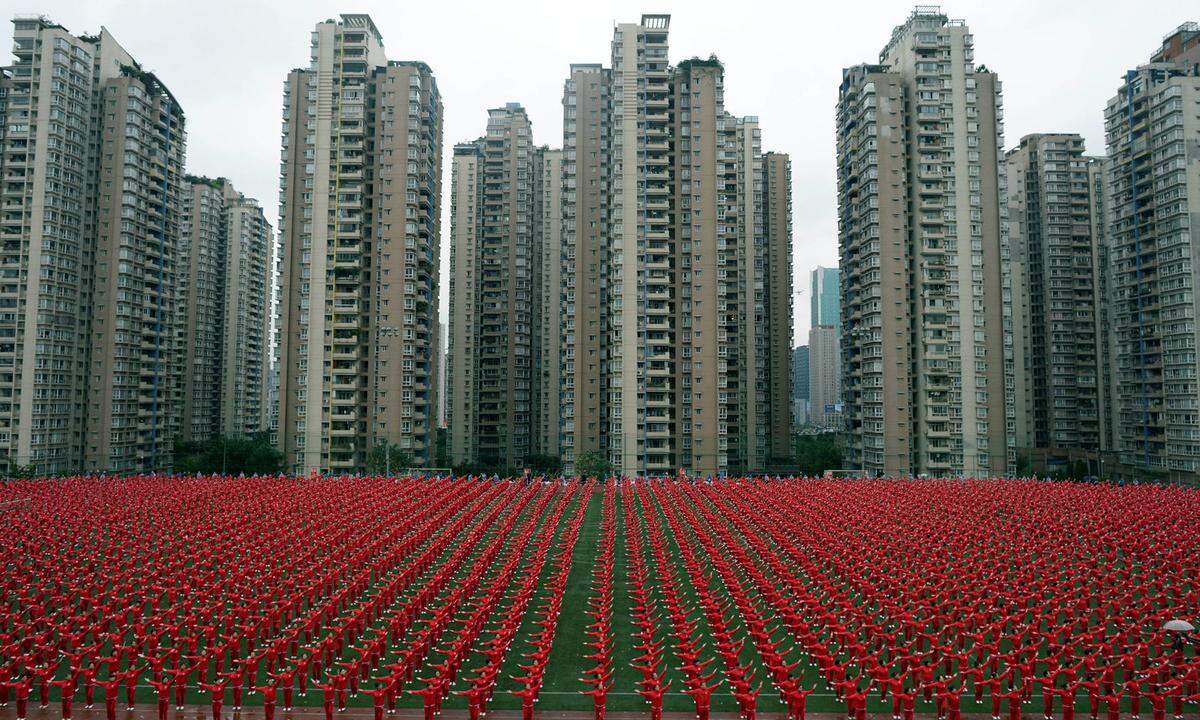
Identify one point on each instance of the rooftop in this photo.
(1180, 45)
(656, 22)
(364, 21)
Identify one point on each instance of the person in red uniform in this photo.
(953, 702)
(216, 693)
(22, 687)
(328, 693)
(599, 695)
(178, 678)
(130, 678)
(1014, 703)
(269, 694)
(431, 694)
(1048, 692)
(285, 678)
(1133, 688)
(1158, 703)
(1068, 700)
(856, 701)
(164, 696)
(43, 673)
(112, 689)
(795, 698)
(701, 694)
(1112, 705)
(67, 687)
(236, 678)
(6, 675)
(476, 695)
(88, 675)
(907, 700)
(378, 699)
(653, 693)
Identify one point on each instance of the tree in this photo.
(817, 453)
(388, 458)
(593, 464)
(229, 455)
(16, 471)
(548, 465)
(442, 450)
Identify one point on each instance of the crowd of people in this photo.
(932, 597)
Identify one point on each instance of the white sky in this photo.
(226, 61)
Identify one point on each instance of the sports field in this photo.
(868, 597)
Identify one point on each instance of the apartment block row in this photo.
(1028, 310)
(628, 296)
(100, 234)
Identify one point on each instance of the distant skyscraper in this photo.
(824, 376)
(92, 154)
(671, 279)
(1151, 128)
(493, 261)
(226, 272)
(825, 297)
(360, 199)
(1055, 298)
(922, 243)
(800, 392)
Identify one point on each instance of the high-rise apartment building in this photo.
(824, 377)
(548, 226)
(136, 363)
(360, 194)
(92, 156)
(926, 369)
(667, 337)
(1106, 350)
(1151, 128)
(825, 297)
(1055, 298)
(494, 293)
(201, 277)
(225, 278)
(466, 177)
(770, 385)
(583, 423)
(443, 337)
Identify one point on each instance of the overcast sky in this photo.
(226, 62)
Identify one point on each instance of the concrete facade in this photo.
(1152, 129)
(496, 290)
(360, 231)
(548, 366)
(927, 369)
(225, 280)
(1054, 275)
(89, 356)
(670, 267)
(824, 377)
